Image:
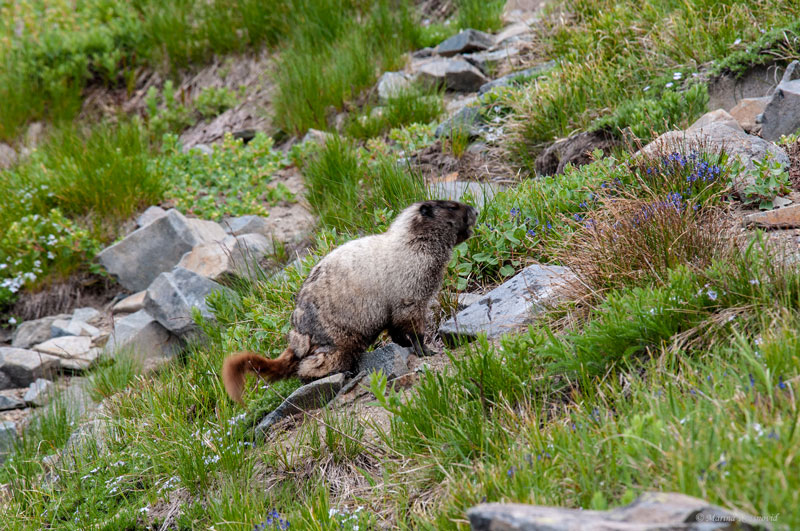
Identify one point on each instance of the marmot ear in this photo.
(426, 210)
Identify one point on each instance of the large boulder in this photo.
(147, 340)
(150, 215)
(310, 396)
(392, 84)
(781, 115)
(236, 256)
(652, 511)
(510, 305)
(33, 332)
(157, 247)
(172, 296)
(468, 40)
(454, 74)
(24, 366)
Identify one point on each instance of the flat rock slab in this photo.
(9, 402)
(155, 248)
(39, 392)
(510, 305)
(468, 40)
(172, 296)
(310, 396)
(481, 193)
(34, 332)
(24, 366)
(781, 218)
(66, 346)
(391, 359)
(455, 74)
(131, 303)
(652, 511)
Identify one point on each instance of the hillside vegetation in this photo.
(674, 367)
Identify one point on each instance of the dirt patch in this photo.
(165, 513)
(480, 162)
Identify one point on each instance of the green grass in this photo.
(416, 105)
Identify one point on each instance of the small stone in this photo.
(485, 60)
(9, 402)
(391, 359)
(204, 149)
(510, 305)
(8, 157)
(39, 392)
(82, 362)
(24, 366)
(8, 437)
(66, 346)
(316, 136)
(392, 84)
(468, 40)
(455, 74)
(781, 218)
(130, 304)
(310, 396)
(31, 333)
(150, 215)
(172, 296)
(147, 340)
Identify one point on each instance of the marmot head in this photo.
(435, 218)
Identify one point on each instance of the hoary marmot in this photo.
(375, 283)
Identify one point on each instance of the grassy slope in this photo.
(680, 377)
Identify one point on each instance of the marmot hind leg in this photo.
(324, 362)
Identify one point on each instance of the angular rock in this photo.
(8, 437)
(9, 402)
(468, 299)
(82, 362)
(392, 84)
(91, 436)
(781, 115)
(130, 304)
(145, 337)
(171, 297)
(716, 118)
(66, 346)
(468, 40)
(150, 215)
(515, 78)
(5, 381)
(24, 366)
(726, 90)
(575, 150)
(715, 137)
(468, 119)
(316, 136)
(455, 74)
(509, 32)
(31, 333)
(155, 248)
(39, 393)
(652, 511)
(391, 359)
(456, 191)
(232, 257)
(286, 224)
(62, 327)
(85, 315)
(510, 305)
(781, 218)
(747, 111)
(310, 396)
(485, 60)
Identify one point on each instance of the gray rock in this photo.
(286, 224)
(65, 346)
(245, 225)
(455, 74)
(515, 78)
(310, 396)
(575, 150)
(747, 112)
(485, 60)
(62, 327)
(468, 119)
(85, 315)
(24, 366)
(147, 340)
(481, 193)
(316, 136)
(9, 402)
(8, 437)
(713, 119)
(203, 148)
(716, 137)
(781, 115)
(511, 31)
(510, 305)
(726, 90)
(91, 436)
(155, 248)
(468, 299)
(39, 393)
(150, 215)
(171, 297)
(31, 333)
(468, 40)
(652, 511)
(236, 256)
(130, 304)
(392, 84)
(82, 362)
(391, 359)
(5, 381)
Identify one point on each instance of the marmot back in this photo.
(368, 285)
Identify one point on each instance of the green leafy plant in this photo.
(213, 101)
(769, 180)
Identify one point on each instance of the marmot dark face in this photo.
(449, 216)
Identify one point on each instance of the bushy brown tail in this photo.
(236, 367)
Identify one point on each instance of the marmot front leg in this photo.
(411, 333)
